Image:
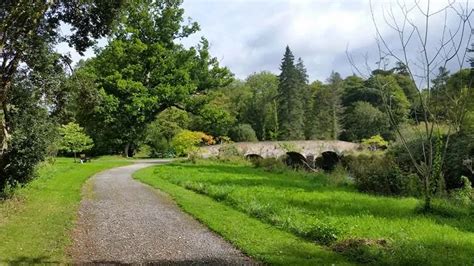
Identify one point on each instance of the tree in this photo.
(28, 29)
(32, 131)
(243, 132)
(375, 142)
(327, 108)
(290, 103)
(73, 139)
(144, 70)
(186, 141)
(432, 51)
(363, 120)
(262, 88)
(390, 97)
(161, 131)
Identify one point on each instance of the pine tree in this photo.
(290, 104)
(307, 99)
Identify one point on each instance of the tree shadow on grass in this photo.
(25, 260)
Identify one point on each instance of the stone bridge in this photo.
(278, 148)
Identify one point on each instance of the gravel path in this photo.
(124, 221)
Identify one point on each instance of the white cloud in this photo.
(250, 35)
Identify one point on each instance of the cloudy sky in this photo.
(250, 35)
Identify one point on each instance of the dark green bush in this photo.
(32, 131)
(243, 132)
(460, 147)
(380, 174)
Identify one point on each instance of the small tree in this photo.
(375, 142)
(420, 51)
(73, 139)
(186, 141)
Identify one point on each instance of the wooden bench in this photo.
(84, 158)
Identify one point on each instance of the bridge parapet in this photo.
(276, 149)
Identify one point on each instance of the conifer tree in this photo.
(290, 104)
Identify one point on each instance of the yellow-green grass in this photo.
(35, 225)
(337, 220)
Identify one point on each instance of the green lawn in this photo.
(303, 216)
(35, 225)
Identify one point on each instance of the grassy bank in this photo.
(336, 220)
(35, 224)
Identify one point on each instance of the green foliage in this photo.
(214, 120)
(144, 70)
(260, 110)
(243, 132)
(290, 99)
(230, 153)
(73, 139)
(29, 32)
(271, 164)
(464, 195)
(288, 146)
(460, 147)
(363, 120)
(186, 142)
(33, 132)
(327, 109)
(375, 142)
(161, 131)
(391, 98)
(381, 175)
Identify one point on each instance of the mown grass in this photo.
(35, 224)
(363, 228)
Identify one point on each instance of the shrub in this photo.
(270, 164)
(229, 152)
(460, 147)
(186, 141)
(243, 132)
(375, 142)
(381, 175)
(463, 196)
(33, 131)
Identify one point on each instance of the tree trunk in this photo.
(4, 123)
(427, 205)
(126, 149)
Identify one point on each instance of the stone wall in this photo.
(279, 148)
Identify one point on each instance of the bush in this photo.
(243, 132)
(461, 146)
(270, 164)
(229, 152)
(186, 141)
(463, 196)
(375, 142)
(381, 175)
(32, 130)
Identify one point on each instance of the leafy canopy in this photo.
(74, 139)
